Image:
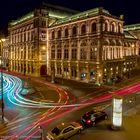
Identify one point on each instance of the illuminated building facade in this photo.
(134, 29)
(92, 46)
(88, 46)
(28, 40)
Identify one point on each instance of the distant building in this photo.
(134, 29)
(85, 46)
(6, 57)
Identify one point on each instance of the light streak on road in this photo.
(106, 97)
(13, 86)
(23, 102)
(16, 85)
(15, 97)
(35, 125)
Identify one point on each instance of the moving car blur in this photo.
(64, 131)
(93, 117)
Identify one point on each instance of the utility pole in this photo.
(2, 103)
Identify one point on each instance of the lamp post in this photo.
(99, 78)
(62, 82)
(2, 104)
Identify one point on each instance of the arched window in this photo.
(112, 43)
(93, 27)
(113, 27)
(106, 26)
(125, 44)
(66, 32)
(59, 34)
(118, 43)
(83, 29)
(119, 28)
(106, 43)
(74, 31)
(53, 35)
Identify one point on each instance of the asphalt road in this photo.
(103, 130)
(22, 118)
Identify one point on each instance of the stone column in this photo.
(55, 67)
(78, 49)
(88, 72)
(108, 54)
(78, 72)
(98, 51)
(30, 68)
(69, 50)
(62, 60)
(112, 52)
(88, 50)
(69, 68)
(62, 68)
(20, 66)
(105, 53)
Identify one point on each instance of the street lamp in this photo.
(2, 103)
(99, 78)
(62, 70)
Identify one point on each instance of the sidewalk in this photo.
(133, 111)
(127, 82)
(103, 131)
(3, 123)
(82, 86)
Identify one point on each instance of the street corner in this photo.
(3, 124)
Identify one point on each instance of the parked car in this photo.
(64, 131)
(91, 118)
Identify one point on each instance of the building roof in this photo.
(81, 15)
(132, 27)
(64, 15)
(54, 12)
(21, 19)
(128, 35)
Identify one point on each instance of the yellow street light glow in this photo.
(133, 45)
(43, 48)
(63, 123)
(99, 74)
(2, 40)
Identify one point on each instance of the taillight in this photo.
(89, 121)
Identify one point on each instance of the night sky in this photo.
(12, 9)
